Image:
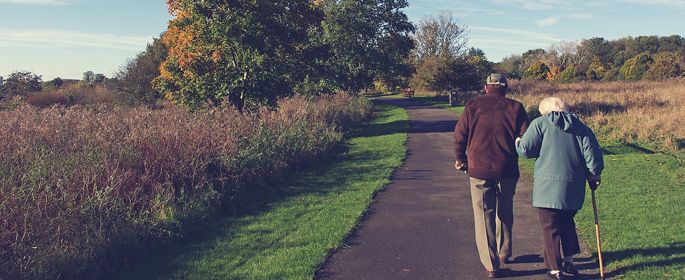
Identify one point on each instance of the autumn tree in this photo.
(666, 65)
(596, 70)
(635, 68)
(248, 52)
(538, 71)
(570, 74)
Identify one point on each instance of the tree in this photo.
(135, 77)
(635, 67)
(538, 71)
(21, 83)
(673, 43)
(366, 39)
(53, 85)
(510, 66)
(666, 65)
(441, 59)
(440, 36)
(88, 77)
(570, 74)
(247, 51)
(596, 70)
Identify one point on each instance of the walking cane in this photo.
(599, 250)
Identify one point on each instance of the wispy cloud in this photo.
(548, 21)
(555, 19)
(68, 39)
(37, 2)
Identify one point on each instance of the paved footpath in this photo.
(421, 225)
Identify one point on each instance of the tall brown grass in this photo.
(651, 112)
(80, 188)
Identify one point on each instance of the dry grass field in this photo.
(83, 187)
(650, 112)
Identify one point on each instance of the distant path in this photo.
(421, 225)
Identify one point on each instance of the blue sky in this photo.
(64, 38)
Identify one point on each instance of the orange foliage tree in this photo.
(249, 52)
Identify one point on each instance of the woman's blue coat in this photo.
(567, 154)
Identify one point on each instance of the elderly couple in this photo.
(491, 134)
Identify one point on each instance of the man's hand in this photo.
(461, 166)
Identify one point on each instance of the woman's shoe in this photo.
(557, 276)
(570, 269)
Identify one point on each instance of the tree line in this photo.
(251, 53)
(632, 59)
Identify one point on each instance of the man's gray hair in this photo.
(550, 104)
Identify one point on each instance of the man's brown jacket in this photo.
(486, 132)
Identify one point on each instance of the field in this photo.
(85, 190)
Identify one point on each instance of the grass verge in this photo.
(291, 231)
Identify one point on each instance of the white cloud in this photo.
(36, 2)
(555, 19)
(68, 39)
(548, 21)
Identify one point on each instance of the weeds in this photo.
(647, 112)
(83, 188)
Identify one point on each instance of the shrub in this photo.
(666, 65)
(43, 100)
(537, 71)
(634, 68)
(570, 74)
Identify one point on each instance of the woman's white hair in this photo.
(550, 104)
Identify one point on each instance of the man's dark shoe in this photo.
(493, 274)
(557, 276)
(570, 269)
(504, 260)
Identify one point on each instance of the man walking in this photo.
(484, 144)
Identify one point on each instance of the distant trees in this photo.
(21, 83)
(643, 57)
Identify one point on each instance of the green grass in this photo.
(641, 213)
(289, 233)
(441, 101)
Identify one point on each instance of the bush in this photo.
(537, 71)
(43, 100)
(570, 74)
(666, 65)
(83, 189)
(635, 67)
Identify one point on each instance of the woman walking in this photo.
(567, 155)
